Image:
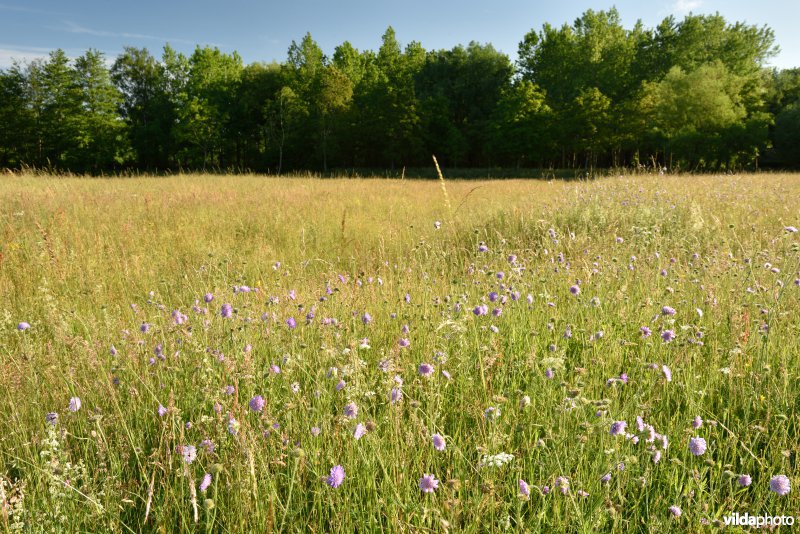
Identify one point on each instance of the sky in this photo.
(264, 30)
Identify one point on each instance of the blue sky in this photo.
(263, 30)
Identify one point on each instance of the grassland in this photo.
(534, 356)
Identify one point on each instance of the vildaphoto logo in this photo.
(741, 520)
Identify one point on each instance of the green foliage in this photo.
(688, 94)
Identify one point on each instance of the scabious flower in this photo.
(205, 483)
(336, 476)
(549, 373)
(675, 511)
(697, 446)
(697, 422)
(667, 373)
(366, 318)
(315, 431)
(646, 332)
(396, 395)
(23, 326)
(404, 342)
(189, 453)
(492, 413)
(161, 411)
(524, 489)
(425, 369)
(291, 323)
(351, 410)
(745, 481)
(618, 427)
(666, 310)
(359, 431)
(233, 426)
(226, 311)
(780, 484)
(257, 403)
(562, 483)
(605, 479)
(74, 404)
(428, 483)
(438, 442)
(575, 290)
(668, 335)
(51, 418)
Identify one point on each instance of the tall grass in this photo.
(87, 262)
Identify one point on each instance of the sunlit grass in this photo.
(87, 262)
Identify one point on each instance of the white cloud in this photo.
(683, 7)
(21, 54)
(72, 27)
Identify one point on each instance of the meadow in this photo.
(258, 354)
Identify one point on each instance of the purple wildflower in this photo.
(51, 418)
(189, 453)
(780, 484)
(205, 483)
(425, 369)
(524, 489)
(697, 446)
(575, 290)
(360, 431)
(351, 410)
(745, 481)
(257, 403)
(667, 335)
(697, 422)
(226, 311)
(675, 511)
(291, 322)
(74, 404)
(646, 332)
(667, 373)
(336, 476)
(404, 342)
(438, 442)
(428, 483)
(666, 310)
(618, 427)
(161, 411)
(23, 326)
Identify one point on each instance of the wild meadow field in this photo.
(251, 354)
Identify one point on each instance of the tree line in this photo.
(692, 94)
